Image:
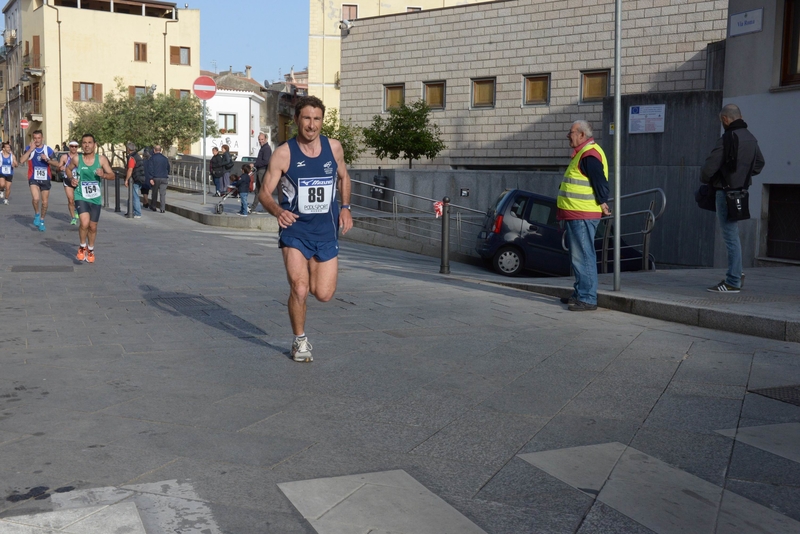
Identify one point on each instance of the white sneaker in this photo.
(5, 201)
(2, 194)
(301, 350)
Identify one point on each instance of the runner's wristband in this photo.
(346, 206)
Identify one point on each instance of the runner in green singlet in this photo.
(92, 169)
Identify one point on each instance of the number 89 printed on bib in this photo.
(315, 194)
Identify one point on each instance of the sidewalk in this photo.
(768, 306)
(152, 392)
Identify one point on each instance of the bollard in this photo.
(445, 267)
(129, 215)
(116, 192)
(105, 193)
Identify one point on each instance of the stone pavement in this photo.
(153, 392)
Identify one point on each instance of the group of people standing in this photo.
(151, 174)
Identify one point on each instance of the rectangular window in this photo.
(413, 9)
(86, 92)
(536, 90)
(349, 12)
(393, 96)
(434, 94)
(137, 90)
(140, 51)
(790, 64)
(180, 93)
(483, 93)
(180, 55)
(594, 85)
(227, 123)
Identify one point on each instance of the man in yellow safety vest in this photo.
(582, 201)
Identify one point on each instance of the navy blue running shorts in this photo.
(322, 250)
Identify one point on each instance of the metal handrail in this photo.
(464, 208)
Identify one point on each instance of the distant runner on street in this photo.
(68, 187)
(38, 157)
(91, 169)
(308, 168)
(7, 164)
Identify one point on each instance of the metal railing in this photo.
(412, 217)
(643, 232)
(188, 175)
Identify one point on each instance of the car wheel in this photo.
(508, 261)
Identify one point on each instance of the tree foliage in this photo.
(344, 131)
(146, 119)
(407, 131)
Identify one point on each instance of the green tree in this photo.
(407, 131)
(146, 119)
(344, 131)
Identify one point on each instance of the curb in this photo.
(676, 312)
(253, 222)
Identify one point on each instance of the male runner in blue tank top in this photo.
(308, 168)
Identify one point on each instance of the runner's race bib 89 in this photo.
(314, 194)
(5, 169)
(90, 189)
(39, 173)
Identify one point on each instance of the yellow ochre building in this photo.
(326, 30)
(59, 51)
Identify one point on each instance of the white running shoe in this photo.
(301, 350)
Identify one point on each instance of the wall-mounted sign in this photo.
(465, 192)
(746, 22)
(646, 119)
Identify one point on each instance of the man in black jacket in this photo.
(217, 171)
(157, 173)
(734, 160)
(261, 164)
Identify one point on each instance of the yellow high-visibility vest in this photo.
(576, 193)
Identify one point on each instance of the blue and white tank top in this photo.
(308, 189)
(6, 165)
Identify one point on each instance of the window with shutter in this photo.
(180, 55)
(393, 96)
(483, 93)
(140, 51)
(434, 94)
(536, 90)
(594, 86)
(790, 64)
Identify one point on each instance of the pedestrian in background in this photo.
(243, 185)
(582, 201)
(227, 165)
(735, 159)
(217, 171)
(136, 171)
(69, 190)
(157, 173)
(261, 164)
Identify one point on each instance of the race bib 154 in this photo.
(90, 189)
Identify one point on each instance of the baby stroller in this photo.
(231, 192)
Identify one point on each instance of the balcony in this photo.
(32, 109)
(32, 64)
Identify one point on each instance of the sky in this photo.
(269, 35)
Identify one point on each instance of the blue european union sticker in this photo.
(634, 110)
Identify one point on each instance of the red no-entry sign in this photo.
(23, 123)
(205, 87)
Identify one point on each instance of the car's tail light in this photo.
(498, 224)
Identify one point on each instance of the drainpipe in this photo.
(166, 52)
(60, 72)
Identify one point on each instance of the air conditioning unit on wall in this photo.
(9, 37)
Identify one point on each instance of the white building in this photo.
(238, 116)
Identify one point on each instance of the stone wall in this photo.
(664, 49)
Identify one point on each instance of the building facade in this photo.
(326, 30)
(238, 116)
(62, 51)
(762, 77)
(506, 79)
